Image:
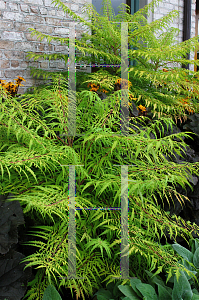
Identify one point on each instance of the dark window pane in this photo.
(115, 4)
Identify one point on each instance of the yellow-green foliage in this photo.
(35, 149)
(34, 145)
(152, 46)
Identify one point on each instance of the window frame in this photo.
(196, 68)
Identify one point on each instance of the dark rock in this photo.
(192, 124)
(102, 95)
(133, 110)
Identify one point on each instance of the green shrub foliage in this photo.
(153, 48)
(33, 148)
(36, 151)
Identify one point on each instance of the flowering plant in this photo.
(10, 87)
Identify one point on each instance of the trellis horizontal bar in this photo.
(72, 165)
(97, 65)
(102, 208)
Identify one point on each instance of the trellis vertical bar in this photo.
(124, 262)
(124, 80)
(72, 225)
(124, 246)
(72, 82)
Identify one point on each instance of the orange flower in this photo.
(94, 87)
(131, 97)
(142, 108)
(118, 81)
(10, 87)
(2, 81)
(19, 80)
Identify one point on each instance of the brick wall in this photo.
(16, 16)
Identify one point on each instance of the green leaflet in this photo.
(185, 253)
(51, 293)
(182, 288)
(128, 291)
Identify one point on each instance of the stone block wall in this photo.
(16, 16)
